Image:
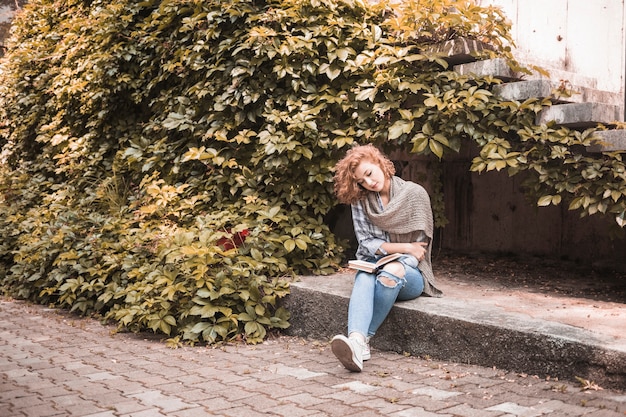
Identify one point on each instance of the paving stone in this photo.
(418, 412)
(385, 406)
(431, 405)
(251, 412)
(146, 413)
(83, 409)
(191, 412)
(123, 385)
(22, 402)
(515, 409)
(217, 404)
(103, 414)
(334, 408)
(356, 386)
(163, 402)
(42, 410)
(287, 376)
(435, 393)
(305, 400)
(263, 402)
(465, 410)
(603, 413)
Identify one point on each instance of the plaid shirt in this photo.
(369, 236)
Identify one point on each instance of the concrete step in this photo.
(520, 86)
(500, 68)
(557, 91)
(512, 330)
(575, 107)
(612, 140)
(497, 68)
(579, 115)
(523, 90)
(458, 51)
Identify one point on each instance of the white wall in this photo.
(583, 37)
(6, 14)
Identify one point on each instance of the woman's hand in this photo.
(417, 249)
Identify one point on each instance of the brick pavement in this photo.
(56, 364)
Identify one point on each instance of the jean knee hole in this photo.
(388, 282)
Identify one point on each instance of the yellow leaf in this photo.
(615, 195)
(419, 143)
(149, 209)
(289, 245)
(301, 244)
(500, 165)
(441, 139)
(399, 128)
(576, 203)
(436, 148)
(544, 200)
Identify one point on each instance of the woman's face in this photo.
(371, 177)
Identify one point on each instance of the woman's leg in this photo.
(353, 350)
(361, 306)
(390, 288)
(371, 300)
(413, 286)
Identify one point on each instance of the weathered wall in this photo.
(583, 42)
(7, 11)
(489, 212)
(586, 39)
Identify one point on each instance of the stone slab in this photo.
(612, 141)
(470, 325)
(580, 115)
(497, 68)
(460, 50)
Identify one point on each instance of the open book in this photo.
(373, 266)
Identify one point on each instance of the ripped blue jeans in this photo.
(371, 299)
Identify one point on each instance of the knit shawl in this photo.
(407, 213)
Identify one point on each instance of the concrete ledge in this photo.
(460, 330)
(497, 68)
(521, 86)
(523, 90)
(612, 140)
(458, 51)
(579, 115)
(541, 88)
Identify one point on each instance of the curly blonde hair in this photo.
(347, 190)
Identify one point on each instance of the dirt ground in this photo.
(535, 274)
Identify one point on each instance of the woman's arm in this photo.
(417, 249)
(369, 237)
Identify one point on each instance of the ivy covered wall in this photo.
(168, 164)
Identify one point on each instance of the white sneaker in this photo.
(349, 352)
(364, 343)
(366, 355)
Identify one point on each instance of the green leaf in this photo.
(256, 254)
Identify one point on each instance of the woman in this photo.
(390, 215)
